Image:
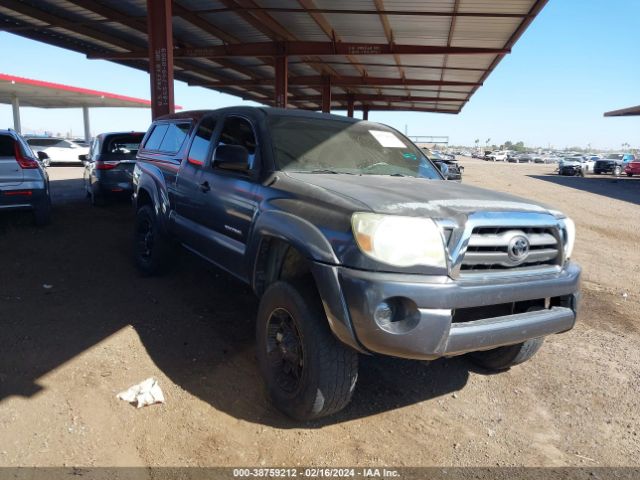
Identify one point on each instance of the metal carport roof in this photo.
(377, 54)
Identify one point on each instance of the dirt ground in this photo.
(66, 351)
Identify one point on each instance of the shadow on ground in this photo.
(72, 284)
(620, 188)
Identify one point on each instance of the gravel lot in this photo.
(66, 351)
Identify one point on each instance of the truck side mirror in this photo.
(82, 158)
(231, 157)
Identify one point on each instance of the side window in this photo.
(200, 146)
(155, 139)
(7, 148)
(238, 131)
(175, 137)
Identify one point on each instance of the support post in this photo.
(87, 125)
(365, 112)
(350, 106)
(160, 38)
(326, 95)
(282, 76)
(15, 104)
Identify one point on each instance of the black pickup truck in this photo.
(354, 243)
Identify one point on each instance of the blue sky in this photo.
(578, 59)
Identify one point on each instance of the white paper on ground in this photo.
(387, 139)
(144, 393)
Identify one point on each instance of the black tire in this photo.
(503, 358)
(151, 247)
(617, 170)
(308, 373)
(42, 214)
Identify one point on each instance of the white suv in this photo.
(58, 150)
(500, 155)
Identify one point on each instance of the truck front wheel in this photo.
(503, 358)
(308, 373)
(151, 246)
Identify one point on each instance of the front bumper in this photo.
(429, 331)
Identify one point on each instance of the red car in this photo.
(632, 168)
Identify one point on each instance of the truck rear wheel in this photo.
(503, 358)
(308, 373)
(151, 246)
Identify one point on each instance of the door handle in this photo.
(205, 187)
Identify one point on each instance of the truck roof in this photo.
(269, 111)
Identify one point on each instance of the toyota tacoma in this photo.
(354, 243)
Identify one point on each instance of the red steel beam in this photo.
(319, 80)
(396, 108)
(299, 48)
(282, 75)
(160, 31)
(364, 98)
(351, 11)
(365, 112)
(350, 101)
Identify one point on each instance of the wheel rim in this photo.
(145, 238)
(284, 350)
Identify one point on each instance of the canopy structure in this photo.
(625, 112)
(315, 54)
(27, 92)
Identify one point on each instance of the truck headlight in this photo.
(569, 229)
(399, 241)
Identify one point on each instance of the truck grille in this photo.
(503, 248)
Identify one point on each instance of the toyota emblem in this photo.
(518, 249)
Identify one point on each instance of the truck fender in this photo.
(312, 244)
(150, 181)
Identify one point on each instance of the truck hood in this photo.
(416, 196)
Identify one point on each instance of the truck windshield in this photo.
(328, 146)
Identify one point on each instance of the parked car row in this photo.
(615, 164)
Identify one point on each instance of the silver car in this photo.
(24, 183)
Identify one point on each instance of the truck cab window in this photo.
(238, 131)
(174, 138)
(200, 146)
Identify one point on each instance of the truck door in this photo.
(216, 206)
(190, 200)
(231, 197)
